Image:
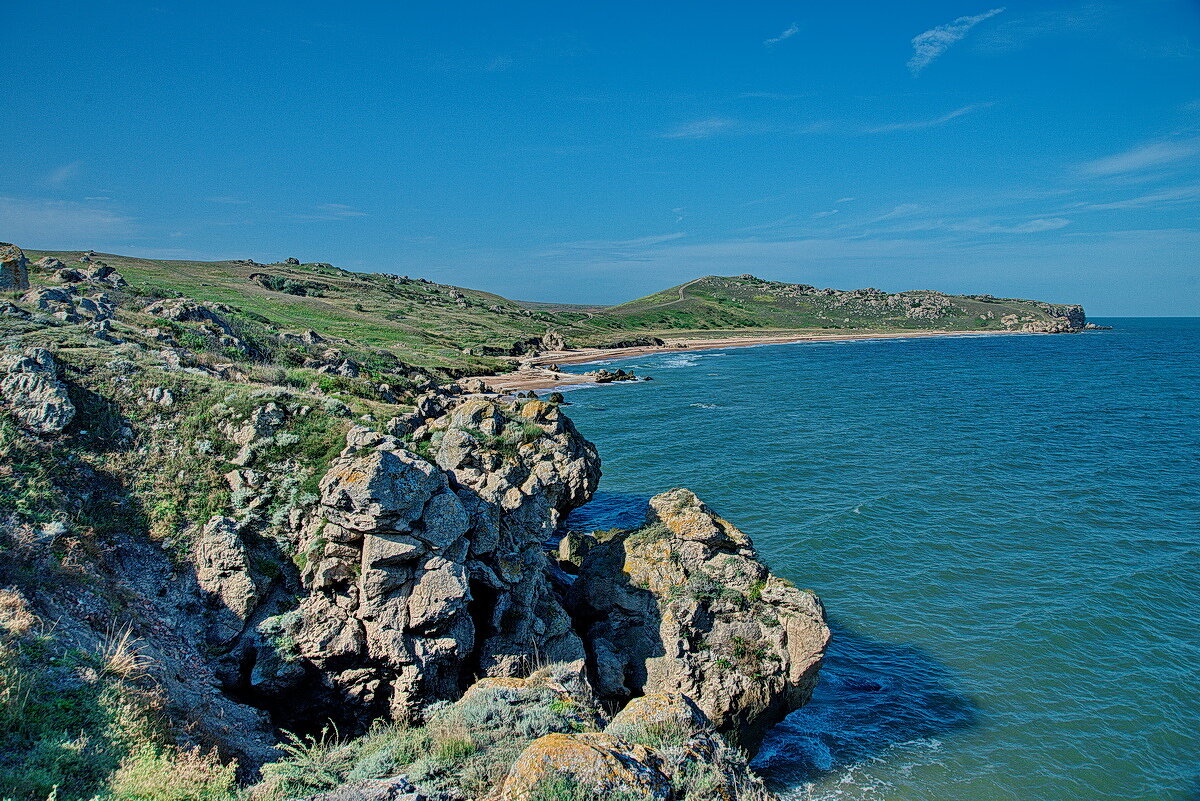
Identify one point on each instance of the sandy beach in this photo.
(539, 373)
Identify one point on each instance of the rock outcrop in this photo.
(421, 573)
(596, 763)
(33, 392)
(14, 267)
(684, 605)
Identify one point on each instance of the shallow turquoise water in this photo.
(1005, 531)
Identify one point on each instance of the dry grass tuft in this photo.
(123, 655)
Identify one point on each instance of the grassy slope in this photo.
(422, 323)
(714, 303)
(426, 324)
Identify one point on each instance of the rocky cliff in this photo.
(201, 567)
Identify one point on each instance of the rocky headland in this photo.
(246, 559)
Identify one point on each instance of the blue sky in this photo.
(598, 152)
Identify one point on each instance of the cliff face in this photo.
(199, 555)
(421, 575)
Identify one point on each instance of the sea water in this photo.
(1005, 531)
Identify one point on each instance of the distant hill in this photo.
(744, 301)
(445, 327)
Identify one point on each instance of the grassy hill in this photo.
(442, 327)
(715, 303)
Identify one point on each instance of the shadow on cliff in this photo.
(872, 695)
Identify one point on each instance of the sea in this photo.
(1004, 529)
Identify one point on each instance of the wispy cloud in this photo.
(1142, 157)
(228, 200)
(702, 129)
(791, 31)
(917, 125)
(845, 199)
(615, 250)
(621, 244)
(1179, 194)
(932, 43)
(59, 223)
(60, 175)
(1036, 226)
(821, 214)
(333, 211)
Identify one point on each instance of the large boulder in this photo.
(223, 571)
(14, 267)
(684, 605)
(33, 392)
(593, 763)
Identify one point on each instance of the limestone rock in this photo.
(14, 267)
(30, 386)
(422, 575)
(599, 763)
(223, 566)
(685, 606)
(553, 340)
(49, 264)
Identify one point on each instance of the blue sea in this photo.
(1005, 531)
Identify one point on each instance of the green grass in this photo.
(377, 319)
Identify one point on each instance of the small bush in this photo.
(180, 776)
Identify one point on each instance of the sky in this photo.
(597, 152)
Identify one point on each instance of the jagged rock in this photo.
(14, 267)
(690, 751)
(658, 712)
(49, 298)
(684, 605)
(223, 570)
(34, 394)
(553, 340)
(11, 310)
(160, 396)
(292, 261)
(599, 763)
(421, 575)
(68, 276)
(186, 311)
(49, 263)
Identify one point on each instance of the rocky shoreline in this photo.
(279, 565)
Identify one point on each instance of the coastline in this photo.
(539, 373)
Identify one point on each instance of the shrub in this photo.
(152, 775)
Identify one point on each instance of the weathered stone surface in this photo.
(685, 606)
(14, 267)
(430, 575)
(599, 763)
(379, 491)
(658, 713)
(223, 566)
(29, 385)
